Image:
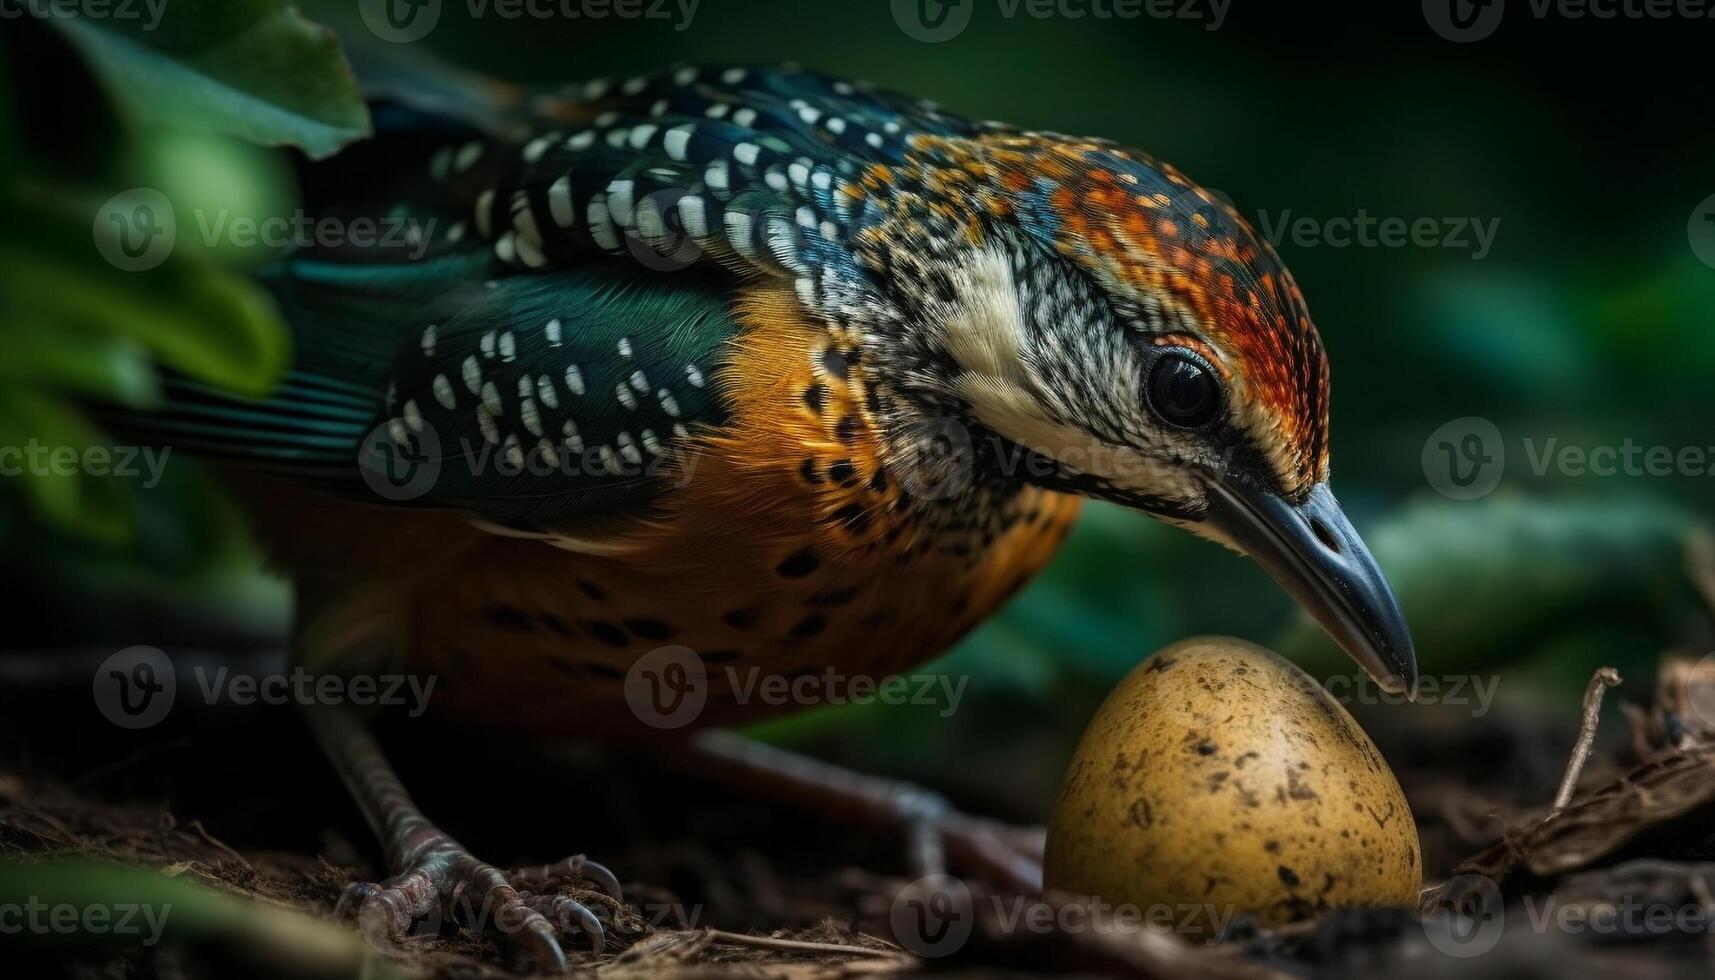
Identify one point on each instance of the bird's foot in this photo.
(436, 878)
(939, 837)
(530, 906)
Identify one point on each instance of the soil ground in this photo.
(720, 884)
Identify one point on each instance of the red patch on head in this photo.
(1142, 230)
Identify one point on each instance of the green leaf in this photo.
(249, 68)
(48, 349)
(220, 189)
(76, 328)
(58, 460)
(204, 322)
(199, 319)
(134, 906)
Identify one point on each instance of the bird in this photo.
(769, 366)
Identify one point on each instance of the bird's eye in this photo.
(1182, 391)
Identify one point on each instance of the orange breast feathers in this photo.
(799, 480)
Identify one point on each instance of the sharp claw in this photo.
(571, 907)
(605, 879)
(539, 937)
(567, 913)
(517, 918)
(543, 877)
(385, 912)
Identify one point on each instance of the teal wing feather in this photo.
(754, 166)
(559, 395)
(531, 399)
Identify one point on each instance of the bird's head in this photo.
(1130, 333)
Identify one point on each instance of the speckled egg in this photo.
(1219, 778)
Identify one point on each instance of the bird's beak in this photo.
(1314, 552)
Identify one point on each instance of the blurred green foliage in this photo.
(166, 115)
(83, 903)
(254, 69)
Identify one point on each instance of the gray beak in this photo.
(1313, 551)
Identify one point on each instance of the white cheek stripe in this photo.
(984, 334)
(1014, 414)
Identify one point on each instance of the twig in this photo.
(801, 945)
(1599, 683)
(213, 841)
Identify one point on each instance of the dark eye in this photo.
(1182, 391)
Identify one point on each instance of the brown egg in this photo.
(1217, 779)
